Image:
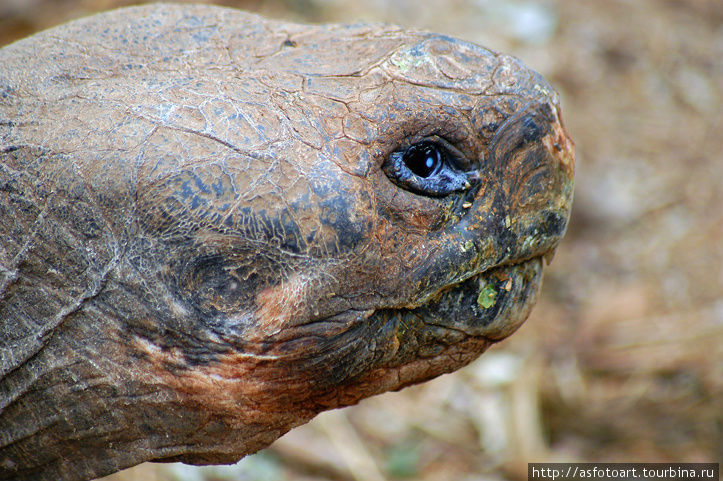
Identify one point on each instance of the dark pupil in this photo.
(423, 159)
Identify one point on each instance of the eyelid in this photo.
(459, 161)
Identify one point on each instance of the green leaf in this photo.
(487, 296)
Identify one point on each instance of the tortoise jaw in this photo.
(465, 317)
(492, 304)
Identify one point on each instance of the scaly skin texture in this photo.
(200, 249)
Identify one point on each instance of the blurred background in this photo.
(622, 359)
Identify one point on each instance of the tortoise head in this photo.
(386, 222)
(248, 222)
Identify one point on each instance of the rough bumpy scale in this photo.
(214, 226)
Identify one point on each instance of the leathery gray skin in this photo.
(201, 246)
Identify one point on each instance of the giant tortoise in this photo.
(214, 226)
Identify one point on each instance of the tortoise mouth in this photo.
(493, 304)
(490, 305)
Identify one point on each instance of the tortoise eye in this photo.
(426, 168)
(423, 159)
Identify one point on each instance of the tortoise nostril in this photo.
(532, 129)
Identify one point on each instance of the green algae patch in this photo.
(487, 296)
(405, 60)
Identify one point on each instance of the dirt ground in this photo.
(622, 359)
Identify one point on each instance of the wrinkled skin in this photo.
(200, 248)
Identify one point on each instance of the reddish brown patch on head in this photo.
(560, 145)
(238, 388)
(280, 304)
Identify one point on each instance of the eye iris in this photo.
(423, 160)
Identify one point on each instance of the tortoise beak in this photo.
(491, 305)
